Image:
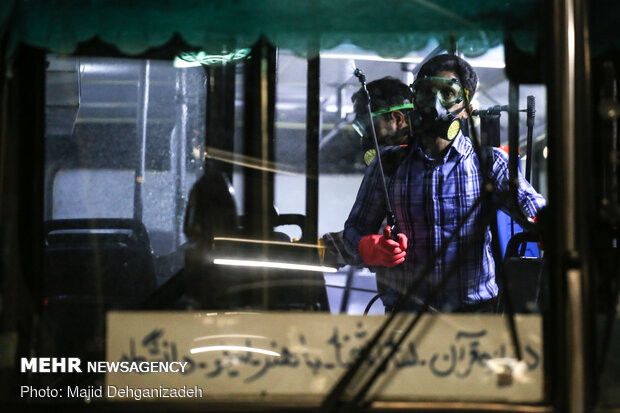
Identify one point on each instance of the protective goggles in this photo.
(361, 123)
(448, 91)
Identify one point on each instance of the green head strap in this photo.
(392, 109)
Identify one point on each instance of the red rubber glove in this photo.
(378, 250)
(541, 247)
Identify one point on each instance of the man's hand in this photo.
(541, 246)
(379, 250)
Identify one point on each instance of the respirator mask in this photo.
(361, 124)
(433, 96)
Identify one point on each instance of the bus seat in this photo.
(107, 257)
(507, 228)
(91, 266)
(215, 230)
(523, 275)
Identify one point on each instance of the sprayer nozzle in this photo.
(358, 73)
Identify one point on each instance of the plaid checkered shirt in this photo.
(431, 199)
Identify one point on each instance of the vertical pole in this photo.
(581, 322)
(313, 127)
(178, 153)
(513, 137)
(221, 111)
(258, 138)
(141, 130)
(313, 132)
(22, 133)
(568, 159)
(339, 101)
(260, 71)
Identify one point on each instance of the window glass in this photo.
(116, 127)
(124, 145)
(151, 194)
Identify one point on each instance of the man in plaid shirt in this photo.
(433, 183)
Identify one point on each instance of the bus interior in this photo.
(175, 180)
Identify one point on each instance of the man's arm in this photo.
(529, 201)
(367, 213)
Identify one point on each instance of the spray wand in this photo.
(391, 230)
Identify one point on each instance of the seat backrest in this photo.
(91, 266)
(523, 275)
(102, 257)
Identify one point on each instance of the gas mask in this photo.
(433, 96)
(362, 126)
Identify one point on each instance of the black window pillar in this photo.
(258, 145)
(313, 130)
(220, 122)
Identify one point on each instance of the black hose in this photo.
(371, 302)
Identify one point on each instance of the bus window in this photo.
(153, 175)
(119, 137)
(124, 145)
(225, 216)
